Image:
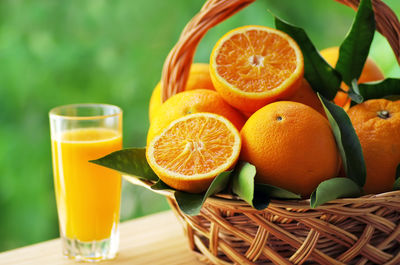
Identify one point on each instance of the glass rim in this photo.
(53, 112)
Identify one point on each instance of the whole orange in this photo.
(371, 72)
(377, 124)
(291, 145)
(199, 77)
(193, 101)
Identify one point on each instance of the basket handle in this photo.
(387, 23)
(175, 71)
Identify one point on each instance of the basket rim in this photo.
(235, 202)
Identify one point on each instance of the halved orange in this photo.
(193, 101)
(193, 150)
(252, 66)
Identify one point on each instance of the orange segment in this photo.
(252, 66)
(193, 150)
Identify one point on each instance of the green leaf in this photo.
(396, 185)
(276, 192)
(332, 189)
(255, 194)
(385, 88)
(354, 50)
(392, 97)
(354, 92)
(160, 185)
(243, 184)
(321, 76)
(130, 161)
(191, 203)
(347, 142)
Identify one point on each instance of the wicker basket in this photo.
(362, 230)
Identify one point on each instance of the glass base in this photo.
(91, 251)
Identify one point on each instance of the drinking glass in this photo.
(88, 195)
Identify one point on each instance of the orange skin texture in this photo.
(306, 95)
(192, 186)
(243, 69)
(380, 142)
(370, 73)
(251, 104)
(193, 101)
(199, 78)
(291, 145)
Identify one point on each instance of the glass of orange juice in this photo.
(88, 196)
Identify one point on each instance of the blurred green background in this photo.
(62, 52)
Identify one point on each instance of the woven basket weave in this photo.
(362, 230)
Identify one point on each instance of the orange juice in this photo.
(88, 195)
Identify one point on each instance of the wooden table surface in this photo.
(155, 239)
